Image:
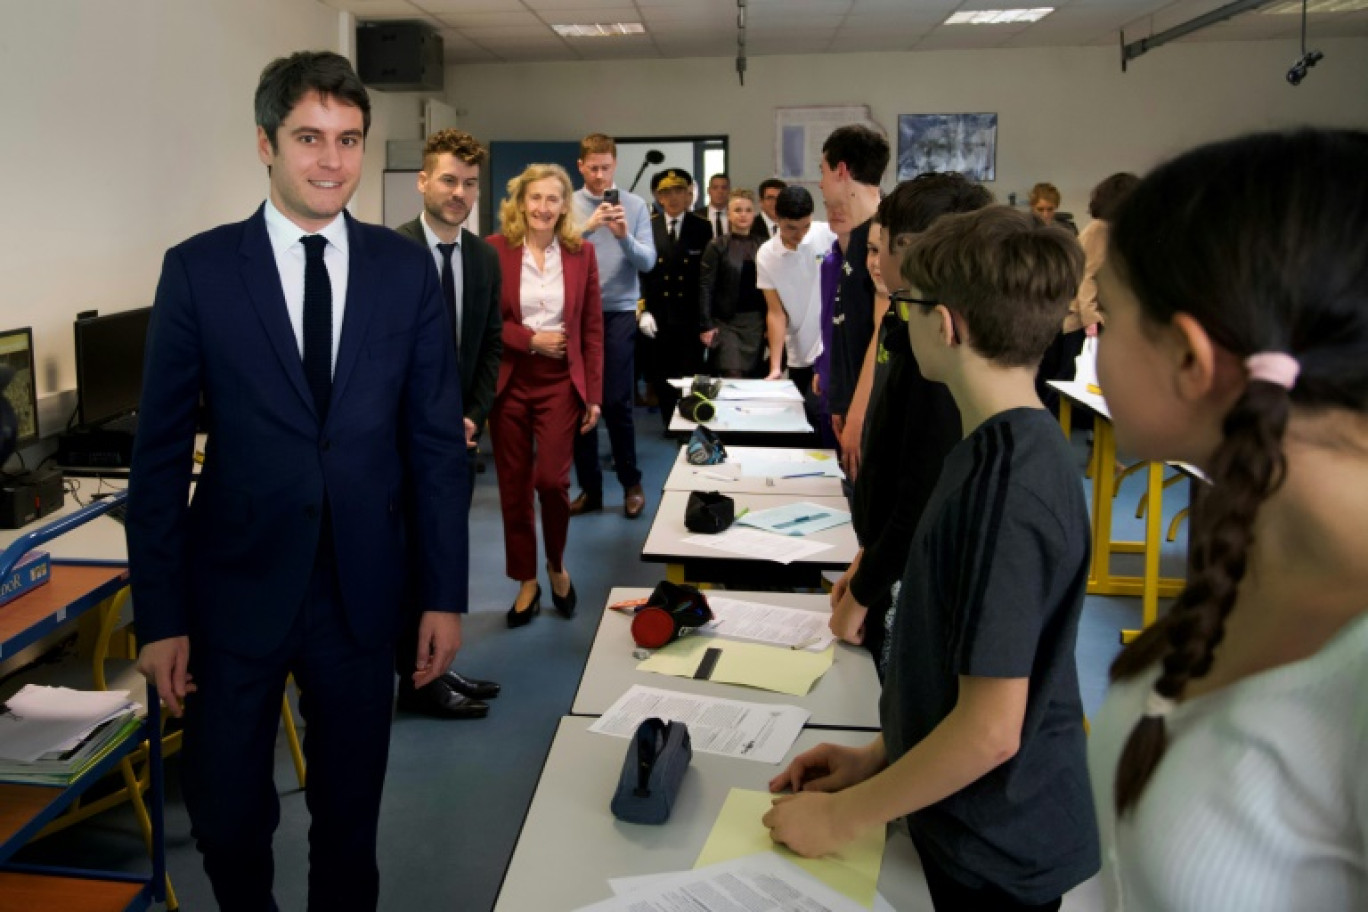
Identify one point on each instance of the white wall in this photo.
(128, 127)
(1066, 115)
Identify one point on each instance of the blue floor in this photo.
(457, 791)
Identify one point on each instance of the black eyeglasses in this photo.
(902, 299)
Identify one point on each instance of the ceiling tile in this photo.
(373, 9)
(447, 7)
(557, 5)
(507, 19)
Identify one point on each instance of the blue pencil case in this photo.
(657, 757)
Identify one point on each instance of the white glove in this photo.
(647, 324)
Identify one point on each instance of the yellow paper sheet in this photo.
(776, 668)
(854, 871)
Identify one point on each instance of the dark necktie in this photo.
(674, 229)
(317, 323)
(717, 223)
(449, 288)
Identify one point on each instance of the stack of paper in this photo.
(51, 735)
(799, 518)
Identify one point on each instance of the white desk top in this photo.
(571, 844)
(685, 477)
(750, 417)
(665, 542)
(847, 696)
(99, 539)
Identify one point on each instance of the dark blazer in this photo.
(671, 288)
(583, 316)
(234, 564)
(482, 333)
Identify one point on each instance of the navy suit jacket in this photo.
(234, 564)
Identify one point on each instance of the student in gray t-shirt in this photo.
(982, 744)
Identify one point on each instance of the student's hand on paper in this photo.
(166, 664)
(439, 638)
(826, 768)
(809, 823)
(848, 618)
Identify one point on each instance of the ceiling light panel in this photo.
(599, 29)
(999, 17)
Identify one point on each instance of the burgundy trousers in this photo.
(533, 426)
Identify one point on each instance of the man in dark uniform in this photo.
(670, 290)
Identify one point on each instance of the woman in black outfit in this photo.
(732, 307)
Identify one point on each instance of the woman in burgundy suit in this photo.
(550, 377)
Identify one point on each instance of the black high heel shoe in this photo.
(518, 618)
(565, 604)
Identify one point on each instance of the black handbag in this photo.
(708, 512)
(705, 448)
(657, 757)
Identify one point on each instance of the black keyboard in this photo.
(118, 512)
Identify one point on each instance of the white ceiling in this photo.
(494, 31)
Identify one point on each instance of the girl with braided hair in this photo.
(1230, 761)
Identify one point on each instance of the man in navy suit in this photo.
(322, 349)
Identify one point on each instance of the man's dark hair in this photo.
(914, 204)
(769, 183)
(864, 151)
(1108, 196)
(721, 174)
(1007, 275)
(288, 79)
(793, 203)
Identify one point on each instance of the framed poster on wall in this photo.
(966, 143)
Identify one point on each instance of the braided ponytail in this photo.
(1247, 467)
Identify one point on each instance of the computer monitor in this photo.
(109, 365)
(16, 354)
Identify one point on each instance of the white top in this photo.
(285, 238)
(796, 276)
(457, 268)
(1261, 799)
(542, 291)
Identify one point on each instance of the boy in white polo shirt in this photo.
(788, 272)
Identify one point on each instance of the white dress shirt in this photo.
(541, 293)
(289, 257)
(714, 215)
(457, 269)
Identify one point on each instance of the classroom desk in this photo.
(778, 423)
(846, 697)
(686, 477)
(665, 544)
(571, 844)
(1101, 581)
(99, 539)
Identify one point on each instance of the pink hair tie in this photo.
(1273, 367)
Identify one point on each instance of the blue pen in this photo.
(799, 520)
(805, 475)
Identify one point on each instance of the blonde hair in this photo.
(1045, 191)
(513, 221)
(741, 193)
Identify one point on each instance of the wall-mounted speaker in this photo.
(400, 56)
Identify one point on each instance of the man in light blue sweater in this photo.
(619, 227)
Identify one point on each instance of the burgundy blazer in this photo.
(583, 317)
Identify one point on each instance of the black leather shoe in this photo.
(471, 687)
(439, 701)
(518, 618)
(565, 604)
(586, 503)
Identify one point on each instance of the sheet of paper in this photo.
(736, 619)
(776, 668)
(757, 883)
(723, 471)
(41, 719)
(750, 731)
(778, 390)
(621, 886)
(795, 519)
(781, 469)
(783, 549)
(767, 418)
(738, 832)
